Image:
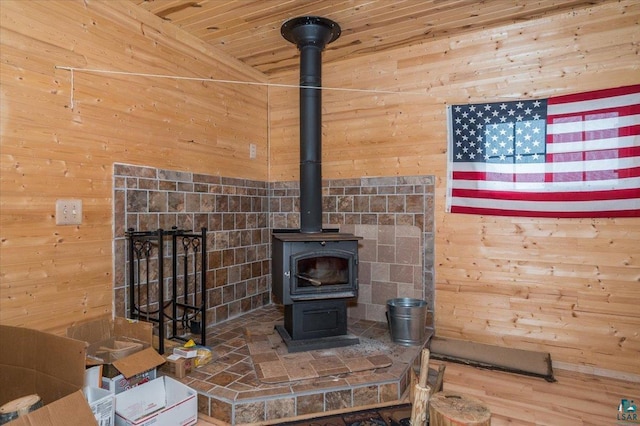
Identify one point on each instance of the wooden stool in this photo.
(451, 408)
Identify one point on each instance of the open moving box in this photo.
(122, 347)
(34, 362)
(163, 401)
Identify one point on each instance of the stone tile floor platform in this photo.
(230, 391)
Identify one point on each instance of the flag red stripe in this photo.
(526, 213)
(522, 177)
(596, 94)
(592, 135)
(621, 111)
(565, 157)
(632, 151)
(614, 194)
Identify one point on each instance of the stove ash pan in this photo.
(314, 266)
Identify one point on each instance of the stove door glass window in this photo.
(322, 271)
(323, 275)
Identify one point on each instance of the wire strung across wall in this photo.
(223, 81)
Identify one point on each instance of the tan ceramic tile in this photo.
(260, 347)
(221, 410)
(231, 358)
(265, 357)
(297, 357)
(241, 368)
(224, 393)
(308, 404)
(239, 387)
(280, 408)
(326, 362)
(270, 369)
(365, 395)
(300, 370)
(319, 385)
(334, 370)
(201, 386)
(359, 364)
(380, 360)
(389, 392)
(264, 393)
(223, 378)
(212, 368)
(252, 412)
(337, 400)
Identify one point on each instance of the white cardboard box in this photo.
(102, 405)
(161, 402)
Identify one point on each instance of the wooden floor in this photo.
(574, 399)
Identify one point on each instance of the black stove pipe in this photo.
(310, 34)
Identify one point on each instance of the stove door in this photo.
(323, 274)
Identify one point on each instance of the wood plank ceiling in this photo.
(249, 30)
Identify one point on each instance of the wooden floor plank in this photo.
(574, 399)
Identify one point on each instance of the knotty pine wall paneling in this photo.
(62, 132)
(567, 286)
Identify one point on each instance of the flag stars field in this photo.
(568, 156)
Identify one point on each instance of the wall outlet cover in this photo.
(68, 212)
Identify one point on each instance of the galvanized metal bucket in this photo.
(406, 318)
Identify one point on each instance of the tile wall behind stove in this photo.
(235, 213)
(394, 215)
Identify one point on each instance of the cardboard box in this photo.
(106, 336)
(177, 366)
(102, 404)
(122, 347)
(163, 401)
(120, 383)
(35, 362)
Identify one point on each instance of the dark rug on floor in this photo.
(395, 415)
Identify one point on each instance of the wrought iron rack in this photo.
(148, 298)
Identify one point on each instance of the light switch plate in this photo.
(68, 212)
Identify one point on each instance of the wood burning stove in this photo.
(314, 276)
(314, 271)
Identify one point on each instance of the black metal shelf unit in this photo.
(184, 306)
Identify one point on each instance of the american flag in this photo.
(567, 156)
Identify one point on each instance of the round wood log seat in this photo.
(452, 408)
(19, 407)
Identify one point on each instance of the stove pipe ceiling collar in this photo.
(310, 34)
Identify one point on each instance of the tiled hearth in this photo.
(230, 391)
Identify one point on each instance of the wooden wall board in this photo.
(62, 133)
